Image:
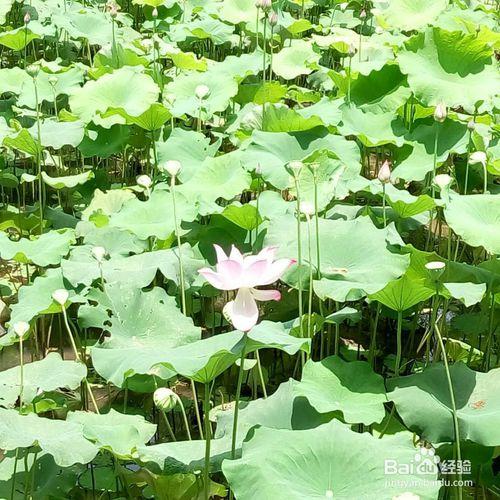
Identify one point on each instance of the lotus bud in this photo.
(442, 181)
(147, 44)
(61, 296)
(266, 5)
(201, 92)
(384, 174)
(258, 170)
(273, 18)
(478, 157)
(27, 18)
(344, 5)
(307, 208)
(294, 167)
(440, 113)
(99, 253)
(362, 14)
(173, 167)
(20, 328)
(155, 13)
(144, 181)
(436, 268)
(33, 70)
(471, 125)
(113, 8)
(351, 51)
(165, 399)
(258, 4)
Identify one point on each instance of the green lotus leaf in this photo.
(57, 134)
(5, 6)
(219, 177)
(423, 402)
(17, 39)
(114, 431)
(348, 272)
(294, 60)
(272, 151)
(63, 440)
(47, 249)
(238, 11)
(67, 181)
(450, 67)
(408, 15)
(245, 216)
(416, 158)
(206, 27)
(155, 216)
(108, 202)
(327, 110)
(476, 219)
(284, 119)
(24, 142)
(468, 293)
(189, 148)
(382, 91)
(321, 462)
(152, 119)
(100, 141)
(49, 374)
(125, 89)
(352, 388)
(370, 128)
(145, 326)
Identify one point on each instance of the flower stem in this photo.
(237, 398)
(261, 376)
(208, 436)
(196, 409)
(299, 256)
(177, 232)
(21, 367)
(399, 344)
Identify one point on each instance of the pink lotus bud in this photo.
(384, 174)
(27, 18)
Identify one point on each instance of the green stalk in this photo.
(316, 223)
(373, 340)
(184, 418)
(167, 425)
(453, 408)
(299, 256)
(349, 81)
(38, 156)
(13, 487)
(177, 232)
(196, 409)
(399, 344)
(237, 398)
(208, 436)
(21, 367)
(311, 275)
(384, 204)
(261, 376)
(257, 29)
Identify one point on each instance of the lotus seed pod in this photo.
(442, 181)
(20, 328)
(471, 125)
(53, 80)
(201, 92)
(294, 167)
(436, 268)
(33, 70)
(165, 399)
(273, 18)
(99, 253)
(27, 18)
(384, 174)
(144, 181)
(478, 157)
(61, 296)
(440, 113)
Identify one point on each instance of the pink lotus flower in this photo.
(244, 273)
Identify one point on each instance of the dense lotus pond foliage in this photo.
(249, 249)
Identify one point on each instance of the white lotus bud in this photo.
(343, 5)
(362, 14)
(442, 181)
(172, 167)
(266, 4)
(155, 13)
(384, 174)
(144, 181)
(440, 113)
(27, 18)
(20, 328)
(33, 70)
(201, 92)
(351, 51)
(99, 253)
(273, 18)
(478, 157)
(307, 208)
(471, 125)
(165, 399)
(61, 296)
